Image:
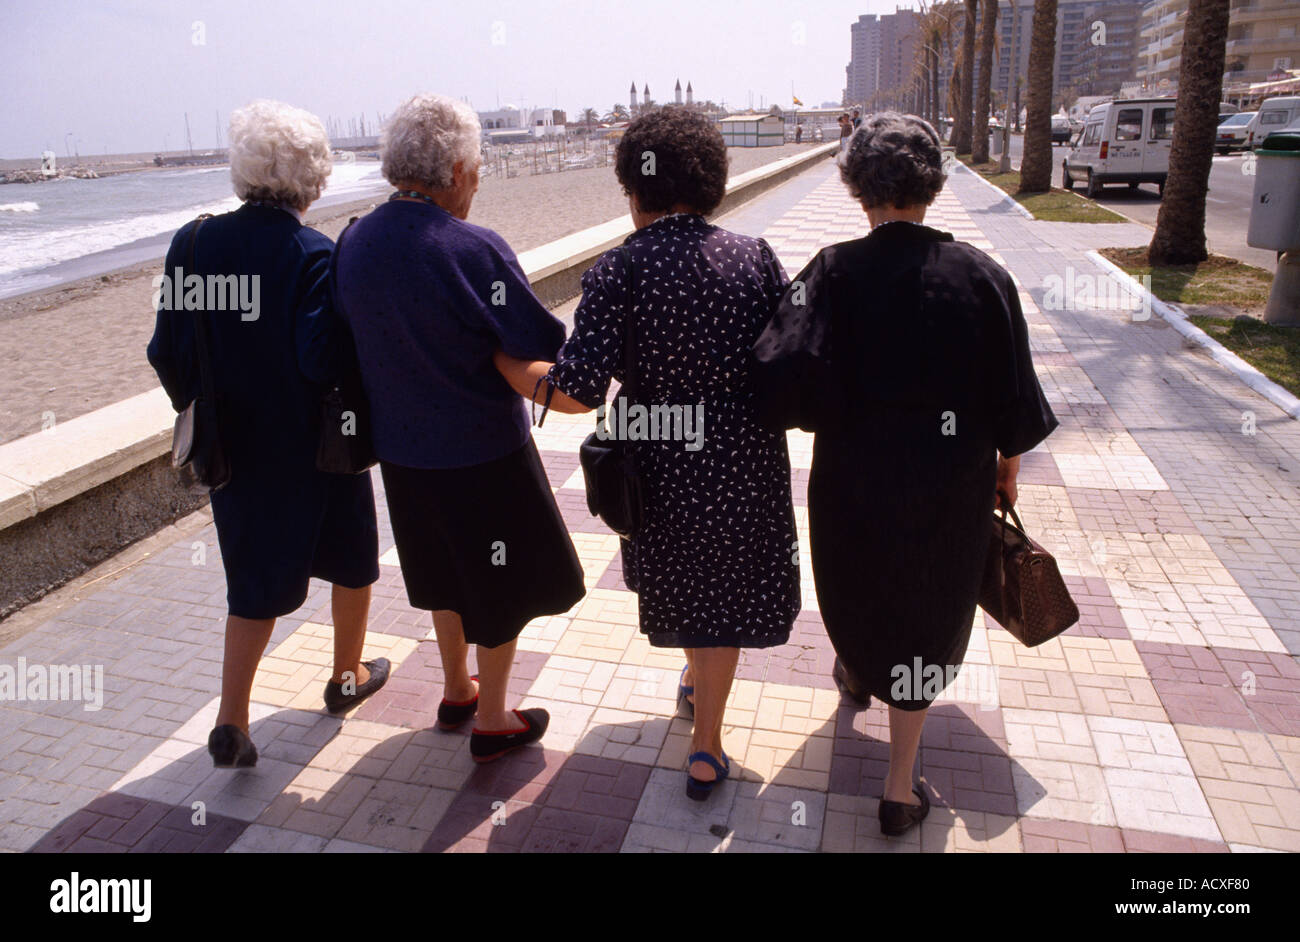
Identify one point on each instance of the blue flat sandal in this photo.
(700, 790)
(683, 692)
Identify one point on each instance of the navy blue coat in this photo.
(279, 520)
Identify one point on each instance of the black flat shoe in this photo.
(231, 748)
(452, 714)
(336, 701)
(485, 747)
(848, 685)
(898, 817)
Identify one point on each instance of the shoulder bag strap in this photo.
(206, 384)
(629, 332)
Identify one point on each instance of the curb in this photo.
(1006, 197)
(1171, 313)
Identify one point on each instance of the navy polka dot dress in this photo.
(714, 562)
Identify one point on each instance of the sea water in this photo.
(45, 228)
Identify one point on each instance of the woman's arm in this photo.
(524, 376)
(1008, 468)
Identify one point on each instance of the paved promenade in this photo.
(1168, 719)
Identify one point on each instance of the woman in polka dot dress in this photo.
(714, 562)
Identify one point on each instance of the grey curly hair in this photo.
(426, 136)
(893, 160)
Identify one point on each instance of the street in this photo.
(1227, 208)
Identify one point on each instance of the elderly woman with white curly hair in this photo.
(272, 353)
(907, 354)
(430, 298)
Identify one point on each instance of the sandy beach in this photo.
(73, 348)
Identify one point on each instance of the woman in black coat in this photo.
(907, 354)
(272, 336)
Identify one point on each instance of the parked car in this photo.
(1273, 115)
(1124, 141)
(1232, 132)
(1061, 130)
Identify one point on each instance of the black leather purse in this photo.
(197, 453)
(345, 445)
(609, 466)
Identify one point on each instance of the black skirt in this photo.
(486, 542)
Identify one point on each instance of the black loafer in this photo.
(231, 748)
(897, 817)
(848, 685)
(485, 747)
(453, 714)
(336, 701)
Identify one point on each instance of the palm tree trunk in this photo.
(966, 87)
(934, 85)
(1036, 165)
(984, 83)
(1180, 224)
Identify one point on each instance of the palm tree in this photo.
(589, 116)
(965, 82)
(1180, 223)
(617, 113)
(984, 82)
(1036, 165)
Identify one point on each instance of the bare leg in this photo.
(351, 608)
(904, 742)
(246, 639)
(714, 669)
(455, 656)
(688, 679)
(494, 665)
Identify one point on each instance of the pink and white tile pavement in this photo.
(1168, 719)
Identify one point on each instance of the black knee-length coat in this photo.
(907, 353)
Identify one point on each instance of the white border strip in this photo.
(1217, 351)
(1006, 197)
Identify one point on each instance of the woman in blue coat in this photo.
(271, 337)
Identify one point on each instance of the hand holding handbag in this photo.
(197, 452)
(609, 467)
(1022, 588)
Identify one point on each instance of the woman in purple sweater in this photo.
(430, 298)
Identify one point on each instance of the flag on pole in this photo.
(796, 100)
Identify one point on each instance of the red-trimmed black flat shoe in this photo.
(487, 746)
(453, 714)
(898, 817)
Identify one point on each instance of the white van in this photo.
(1273, 115)
(1125, 141)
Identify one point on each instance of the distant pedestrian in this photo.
(279, 521)
(857, 118)
(798, 133)
(846, 131)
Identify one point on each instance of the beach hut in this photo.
(752, 130)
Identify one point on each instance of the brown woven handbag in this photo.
(1022, 589)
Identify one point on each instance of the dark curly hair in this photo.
(893, 160)
(689, 161)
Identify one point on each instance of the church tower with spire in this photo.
(632, 102)
(677, 92)
(690, 94)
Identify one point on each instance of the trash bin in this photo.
(1275, 205)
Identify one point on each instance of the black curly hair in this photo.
(689, 161)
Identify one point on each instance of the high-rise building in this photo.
(1263, 40)
(882, 59)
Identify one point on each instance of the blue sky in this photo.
(121, 75)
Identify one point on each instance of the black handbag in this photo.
(345, 445)
(609, 467)
(197, 453)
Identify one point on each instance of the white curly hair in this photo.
(278, 153)
(427, 136)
